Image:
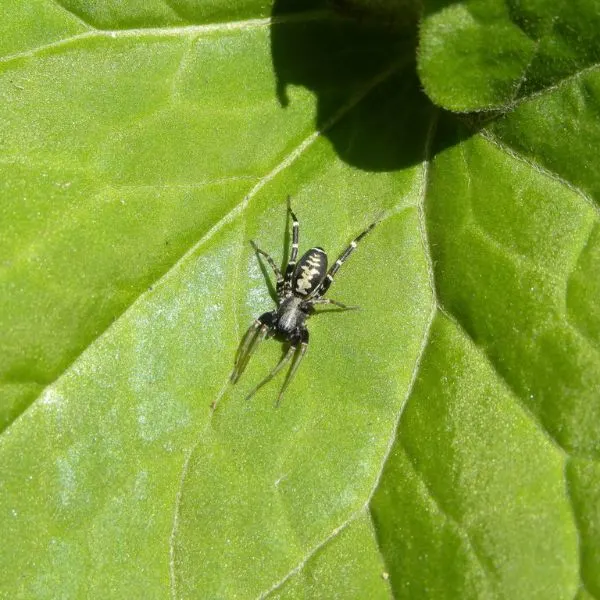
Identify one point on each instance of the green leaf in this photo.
(488, 54)
(440, 442)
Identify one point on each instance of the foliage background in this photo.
(442, 442)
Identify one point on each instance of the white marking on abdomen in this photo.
(304, 282)
(313, 262)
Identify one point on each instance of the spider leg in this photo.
(299, 355)
(275, 268)
(322, 289)
(334, 302)
(274, 372)
(256, 333)
(294, 253)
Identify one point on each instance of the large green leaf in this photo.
(441, 442)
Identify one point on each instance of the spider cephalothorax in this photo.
(299, 289)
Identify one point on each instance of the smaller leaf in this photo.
(485, 54)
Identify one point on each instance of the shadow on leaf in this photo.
(347, 59)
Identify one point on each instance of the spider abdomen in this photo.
(309, 272)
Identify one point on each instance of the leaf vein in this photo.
(185, 30)
(460, 528)
(72, 14)
(539, 168)
(434, 302)
(576, 522)
(503, 379)
(555, 86)
(332, 535)
(533, 56)
(388, 586)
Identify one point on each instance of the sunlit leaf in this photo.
(440, 442)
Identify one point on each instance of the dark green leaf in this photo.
(488, 54)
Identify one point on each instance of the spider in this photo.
(299, 289)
